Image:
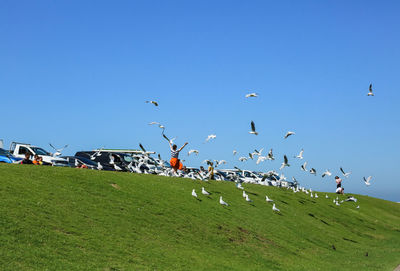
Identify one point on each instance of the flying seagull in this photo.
(300, 156)
(58, 151)
(288, 134)
(313, 171)
(234, 152)
(261, 159)
(285, 162)
(242, 159)
(346, 175)
(253, 95)
(275, 209)
(367, 180)
(210, 137)
(253, 129)
(326, 173)
(303, 167)
(193, 151)
(270, 156)
(370, 91)
(222, 202)
(152, 102)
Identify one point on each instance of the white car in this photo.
(20, 149)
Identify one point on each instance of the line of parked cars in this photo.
(133, 161)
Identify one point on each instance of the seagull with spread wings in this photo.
(253, 129)
(370, 93)
(285, 162)
(153, 102)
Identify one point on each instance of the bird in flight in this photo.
(346, 175)
(212, 136)
(152, 102)
(289, 134)
(326, 173)
(367, 180)
(234, 152)
(313, 171)
(303, 167)
(193, 151)
(242, 159)
(253, 129)
(270, 156)
(58, 151)
(285, 162)
(370, 93)
(300, 156)
(252, 95)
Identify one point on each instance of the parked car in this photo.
(20, 149)
(74, 160)
(122, 160)
(7, 157)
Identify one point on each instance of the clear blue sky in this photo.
(78, 73)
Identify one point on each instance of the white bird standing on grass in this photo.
(275, 209)
(244, 194)
(268, 199)
(239, 186)
(204, 192)
(222, 202)
(194, 193)
(99, 166)
(253, 129)
(248, 199)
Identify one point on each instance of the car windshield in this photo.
(127, 158)
(40, 151)
(86, 161)
(4, 152)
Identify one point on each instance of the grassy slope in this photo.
(72, 219)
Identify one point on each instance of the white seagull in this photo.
(117, 167)
(248, 199)
(261, 159)
(242, 159)
(326, 173)
(99, 166)
(194, 193)
(222, 202)
(252, 95)
(204, 192)
(289, 134)
(316, 196)
(367, 180)
(326, 196)
(244, 194)
(152, 102)
(300, 156)
(58, 151)
(268, 199)
(212, 136)
(253, 129)
(370, 91)
(239, 186)
(275, 209)
(346, 175)
(270, 156)
(313, 171)
(193, 151)
(285, 162)
(303, 167)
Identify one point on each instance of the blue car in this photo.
(7, 157)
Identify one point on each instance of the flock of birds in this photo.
(269, 156)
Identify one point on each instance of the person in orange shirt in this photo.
(37, 160)
(175, 162)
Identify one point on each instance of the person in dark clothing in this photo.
(339, 188)
(27, 160)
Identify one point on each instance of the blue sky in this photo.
(79, 73)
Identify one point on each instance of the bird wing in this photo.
(253, 126)
(141, 146)
(285, 159)
(52, 147)
(370, 87)
(341, 169)
(165, 137)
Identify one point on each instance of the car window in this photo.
(40, 151)
(247, 174)
(22, 150)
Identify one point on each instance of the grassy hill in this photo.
(75, 219)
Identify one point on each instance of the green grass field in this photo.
(74, 219)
